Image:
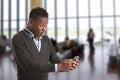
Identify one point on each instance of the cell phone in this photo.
(76, 57)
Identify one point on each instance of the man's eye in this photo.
(44, 24)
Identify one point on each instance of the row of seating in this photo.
(75, 49)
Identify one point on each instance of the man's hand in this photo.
(75, 64)
(68, 64)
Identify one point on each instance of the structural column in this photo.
(35, 3)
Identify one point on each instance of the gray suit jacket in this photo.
(32, 64)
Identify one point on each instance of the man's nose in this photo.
(44, 29)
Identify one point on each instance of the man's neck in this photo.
(35, 36)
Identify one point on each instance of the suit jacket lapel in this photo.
(30, 44)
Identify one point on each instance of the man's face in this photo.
(39, 26)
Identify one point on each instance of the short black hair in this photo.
(38, 12)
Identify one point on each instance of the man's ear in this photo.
(30, 22)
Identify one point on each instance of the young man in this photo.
(33, 51)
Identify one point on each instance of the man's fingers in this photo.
(69, 64)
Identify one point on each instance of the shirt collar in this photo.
(31, 35)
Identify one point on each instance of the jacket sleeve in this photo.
(24, 61)
(53, 55)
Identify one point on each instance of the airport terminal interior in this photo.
(68, 20)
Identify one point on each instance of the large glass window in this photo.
(117, 3)
(5, 23)
(22, 9)
(51, 25)
(72, 29)
(107, 7)
(0, 17)
(95, 7)
(13, 12)
(51, 29)
(0, 10)
(6, 9)
(83, 7)
(13, 17)
(118, 27)
(5, 20)
(89, 13)
(61, 8)
(22, 24)
(61, 30)
(108, 28)
(14, 26)
(83, 29)
(96, 26)
(10, 18)
(71, 8)
(50, 8)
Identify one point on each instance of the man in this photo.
(90, 39)
(33, 51)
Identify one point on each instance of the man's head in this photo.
(38, 20)
(38, 12)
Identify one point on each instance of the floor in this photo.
(91, 67)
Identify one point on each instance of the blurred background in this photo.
(73, 19)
